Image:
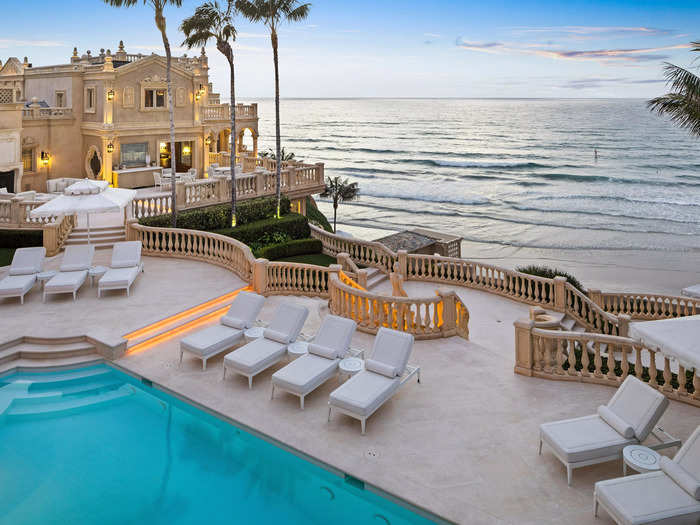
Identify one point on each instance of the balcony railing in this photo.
(47, 113)
(214, 112)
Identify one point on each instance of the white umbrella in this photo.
(678, 338)
(86, 197)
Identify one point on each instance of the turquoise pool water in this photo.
(94, 445)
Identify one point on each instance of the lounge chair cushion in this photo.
(243, 311)
(638, 404)
(256, 356)
(212, 340)
(583, 438)
(683, 478)
(66, 282)
(392, 348)
(688, 456)
(647, 498)
(304, 374)
(77, 258)
(119, 277)
(323, 351)
(279, 337)
(615, 421)
(126, 254)
(364, 392)
(334, 337)
(380, 368)
(287, 323)
(14, 285)
(27, 261)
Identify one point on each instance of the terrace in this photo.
(462, 444)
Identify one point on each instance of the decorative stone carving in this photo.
(93, 163)
(180, 97)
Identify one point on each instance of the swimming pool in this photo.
(95, 445)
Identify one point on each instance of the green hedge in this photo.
(270, 231)
(291, 248)
(21, 238)
(216, 217)
(316, 217)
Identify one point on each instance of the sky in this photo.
(384, 48)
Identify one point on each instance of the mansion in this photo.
(105, 116)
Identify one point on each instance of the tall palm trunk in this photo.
(160, 23)
(335, 214)
(278, 174)
(228, 51)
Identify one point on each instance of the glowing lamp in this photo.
(110, 147)
(186, 150)
(163, 147)
(110, 95)
(44, 158)
(207, 141)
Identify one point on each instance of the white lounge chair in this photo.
(628, 418)
(73, 271)
(670, 496)
(26, 264)
(258, 355)
(125, 267)
(303, 375)
(216, 339)
(387, 369)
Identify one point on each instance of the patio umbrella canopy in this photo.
(676, 338)
(86, 197)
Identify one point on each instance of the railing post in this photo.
(333, 271)
(623, 325)
(131, 233)
(449, 312)
(51, 238)
(524, 359)
(559, 293)
(259, 184)
(403, 263)
(291, 177)
(16, 210)
(260, 276)
(320, 173)
(180, 195)
(362, 277)
(596, 296)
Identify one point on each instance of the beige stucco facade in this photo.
(86, 118)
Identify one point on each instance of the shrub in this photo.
(551, 273)
(21, 238)
(216, 217)
(291, 248)
(294, 226)
(316, 217)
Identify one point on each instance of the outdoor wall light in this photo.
(110, 95)
(44, 158)
(186, 150)
(110, 147)
(207, 141)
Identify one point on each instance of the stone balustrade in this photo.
(56, 233)
(577, 356)
(222, 112)
(206, 192)
(38, 113)
(15, 214)
(193, 244)
(646, 306)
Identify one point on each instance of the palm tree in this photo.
(340, 191)
(210, 21)
(272, 155)
(271, 13)
(158, 7)
(683, 103)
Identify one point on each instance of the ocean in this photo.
(511, 176)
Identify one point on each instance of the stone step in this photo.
(43, 351)
(54, 363)
(376, 279)
(62, 377)
(69, 405)
(97, 234)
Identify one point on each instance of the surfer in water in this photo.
(595, 153)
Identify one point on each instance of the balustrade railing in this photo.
(584, 310)
(212, 112)
(649, 306)
(47, 113)
(193, 244)
(602, 359)
(56, 233)
(296, 279)
(364, 253)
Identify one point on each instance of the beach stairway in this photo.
(569, 324)
(99, 237)
(375, 277)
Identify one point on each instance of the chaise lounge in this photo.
(125, 267)
(73, 271)
(262, 353)
(303, 375)
(670, 496)
(361, 395)
(26, 264)
(627, 419)
(216, 339)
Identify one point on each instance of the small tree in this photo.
(271, 13)
(158, 7)
(270, 154)
(340, 191)
(210, 21)
(683, 103)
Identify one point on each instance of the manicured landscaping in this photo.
(319, 259)
(6, 256)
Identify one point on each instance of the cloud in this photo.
(597, 82)
(600, 55)
(8, 42)
(590, 32)
(432, 35)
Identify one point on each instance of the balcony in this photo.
(47, 113)
(222, 112)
